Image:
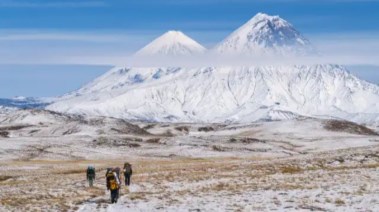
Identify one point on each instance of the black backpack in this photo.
(91, 171)
(127, 168)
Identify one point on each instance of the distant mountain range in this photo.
(24, 102)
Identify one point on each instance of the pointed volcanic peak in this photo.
(265, 35)
(172, 43)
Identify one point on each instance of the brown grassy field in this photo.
(56, 185)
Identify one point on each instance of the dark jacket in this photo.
(91, 173)
(128, 170)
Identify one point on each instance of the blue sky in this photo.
(45, 80)
(105, 32)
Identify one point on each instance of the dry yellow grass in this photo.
(62, 184)
(290, 169)
(339, 202)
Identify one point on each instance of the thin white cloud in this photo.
(101, 36)
(349, 48)
(57, 47)
(51, 36)
(116, 47)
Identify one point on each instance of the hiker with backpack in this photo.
(91, 175)
(127, 173)
(106, 174)
(113, 184)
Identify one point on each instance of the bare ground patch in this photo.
(349, 127)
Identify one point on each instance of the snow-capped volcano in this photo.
(172, 43)
(228, 93)
(265, 35)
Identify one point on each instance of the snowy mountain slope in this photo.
(34, 122)
(222, 94)
(6, 110)
(172, 43)
(265, 35)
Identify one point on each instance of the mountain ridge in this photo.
(226, 94)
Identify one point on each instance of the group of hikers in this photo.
(113, 179)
